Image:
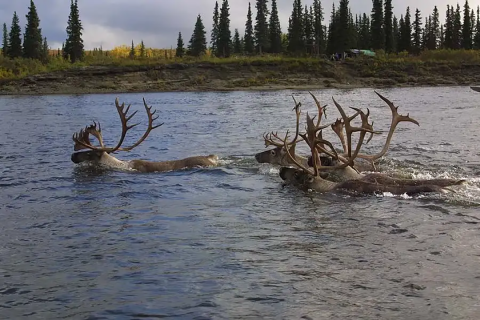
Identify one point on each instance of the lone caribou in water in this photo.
(103, 155)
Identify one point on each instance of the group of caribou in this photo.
(325, 169)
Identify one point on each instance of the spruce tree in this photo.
(5, 41)
(467, 30)
(377, 27)
(364, 39)
(224, 40)
(131, 54)
(237, 43)
(388, 23)
(249, 44)
(332, 31)
(435, 26)
(275, 30)
(14, 38)
(45, 51)
(308, 31)
(448, 38)
(407, 32)
(261, 27)
(476, 38)
(143, 52)
(345, 28)
(214, 33)
(296, 30)
(32, 39)
(180, 51)
(198, 43)
(417, 33)
(318, 27)
(396, 34)
(457, 28)
(74, 43)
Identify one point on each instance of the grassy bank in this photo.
(105, 74)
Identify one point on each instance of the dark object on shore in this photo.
(475, 89)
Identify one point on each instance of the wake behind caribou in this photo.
(327, 169)
(101, 155)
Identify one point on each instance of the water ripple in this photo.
(83, 242)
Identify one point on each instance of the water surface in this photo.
(229, 242)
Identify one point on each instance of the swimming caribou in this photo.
(342, 172)
(103, 155)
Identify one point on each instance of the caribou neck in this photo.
(110, 161)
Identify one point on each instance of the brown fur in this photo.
(103, 158)
(370, 184)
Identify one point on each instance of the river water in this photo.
(79, 242)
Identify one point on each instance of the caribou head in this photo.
(102, 154)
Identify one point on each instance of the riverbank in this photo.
(251, 75)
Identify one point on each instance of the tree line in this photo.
(308, 34)
(34, 45)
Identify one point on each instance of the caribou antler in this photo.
(396, 119)
(273, 138)
(82, 140)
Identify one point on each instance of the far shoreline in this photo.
(229, 77)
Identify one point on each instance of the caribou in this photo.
(342, 173)
(102, 155)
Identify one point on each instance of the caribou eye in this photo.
(272, 152)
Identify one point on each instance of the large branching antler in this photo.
(82, 140)
(273, 138)
(396, 119)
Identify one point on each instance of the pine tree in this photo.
(5, 41)
(467, 30)
(308, 30)
(318, 27)
(198, 43)
(388, 23)
(224, 40)
(131, 54)
(396, 34)
(45, 51)
(344, 35)
(448, 41)
(457, 28)
(377, 28)
(476, 38)
(417, 33)
(275, 30)
(237, 43)
(214, 33)
(261, 27)
(332, 31)
(435, 28)
(442, 38)
(143, 52)
(249, 44)
(406, 33)
(180, 51)
(74, 44)
(32, 39)
(364, 39)
(14, 38)
(296, 30)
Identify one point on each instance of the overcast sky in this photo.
(115, 22)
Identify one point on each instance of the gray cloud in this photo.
(115, 22)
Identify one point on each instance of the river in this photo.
(229, 242)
